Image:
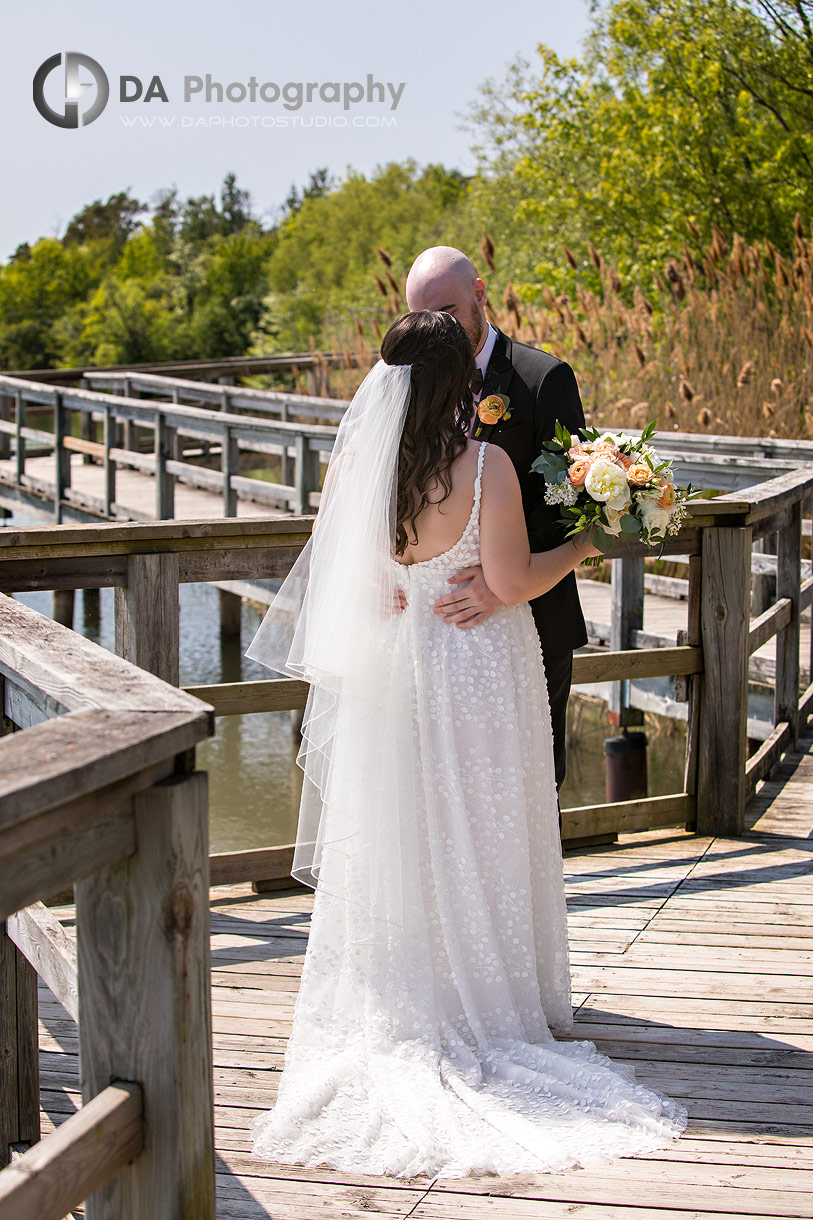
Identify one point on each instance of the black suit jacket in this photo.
(541, 390)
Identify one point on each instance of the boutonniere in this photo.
(492, 409)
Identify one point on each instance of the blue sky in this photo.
(440, 53)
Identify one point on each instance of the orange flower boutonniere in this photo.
(492, 409)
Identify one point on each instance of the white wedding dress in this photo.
(424, 1044)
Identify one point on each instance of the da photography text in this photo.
(72, 89)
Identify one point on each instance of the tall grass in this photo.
(721, 342)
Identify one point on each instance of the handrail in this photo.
(221, 397)
(224, 365)
(717, 541)
(98, 790)
(302, 447)
(310, 444)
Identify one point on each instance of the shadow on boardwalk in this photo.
(692, 958)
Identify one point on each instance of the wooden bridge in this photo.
(139, 445)
(691, 960)
(688, 933)
(158, 443)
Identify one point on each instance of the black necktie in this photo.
(476, 382)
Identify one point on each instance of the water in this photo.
(254, 783)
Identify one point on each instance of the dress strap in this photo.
(475, 510)
(479, 479)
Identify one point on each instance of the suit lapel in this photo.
(497, 379)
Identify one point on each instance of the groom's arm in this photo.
(557, 398)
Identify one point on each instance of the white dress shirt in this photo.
(484, 355)
(481, 360)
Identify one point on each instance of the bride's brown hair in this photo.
(439, 412)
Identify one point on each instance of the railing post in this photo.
(146, 609)
(164, 481)
(724, 625)
(145, 1003)
(19, 420)
(62, 456)
(231, 606)
(88, 434)
(627, 616)
(285, 461)
(19, 1050)
(62, 606)
(5, 414)
(229, 464)
(178, 440)
(109, 463)
(788, 582)
(306, 475)
(693, 636)
(130, 425)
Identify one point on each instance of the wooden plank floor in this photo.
(692, 958)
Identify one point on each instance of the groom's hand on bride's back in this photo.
(398, 603)
(472, 601)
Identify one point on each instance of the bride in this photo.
(436, 975)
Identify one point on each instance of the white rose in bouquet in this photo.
(653, 516)
(607, 483)
(614, 516)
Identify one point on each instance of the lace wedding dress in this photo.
(425, 1043)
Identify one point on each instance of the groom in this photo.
(541, 390)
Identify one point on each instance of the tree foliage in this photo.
(681, 120)
(697, 111)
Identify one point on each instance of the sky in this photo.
(428, 58)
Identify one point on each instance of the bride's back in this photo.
(438, 526)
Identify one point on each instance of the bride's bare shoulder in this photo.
(499, 466)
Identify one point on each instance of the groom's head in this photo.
(444, 280)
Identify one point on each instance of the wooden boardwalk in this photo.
(135, 491)
(692, 957)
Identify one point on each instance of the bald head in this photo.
(443, 279)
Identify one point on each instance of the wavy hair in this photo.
(439, 412)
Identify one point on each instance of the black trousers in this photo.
(559, 674)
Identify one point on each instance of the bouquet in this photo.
(613, 485)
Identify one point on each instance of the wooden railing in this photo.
(232, 422)
(301, 448)
(276, 403)
(146, 563)
(98, 791)
(315, 365)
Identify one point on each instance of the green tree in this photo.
(36, 289)
(110, 223)
(324, 260)
(678, 110)
(229, 299)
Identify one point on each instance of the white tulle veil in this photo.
(333, 624)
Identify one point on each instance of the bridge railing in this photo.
(98, 791)
(146, 562)
(313, 365)
(230, 425)
(219, 397)
(301, 448)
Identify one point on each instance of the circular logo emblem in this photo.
(74, 89)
